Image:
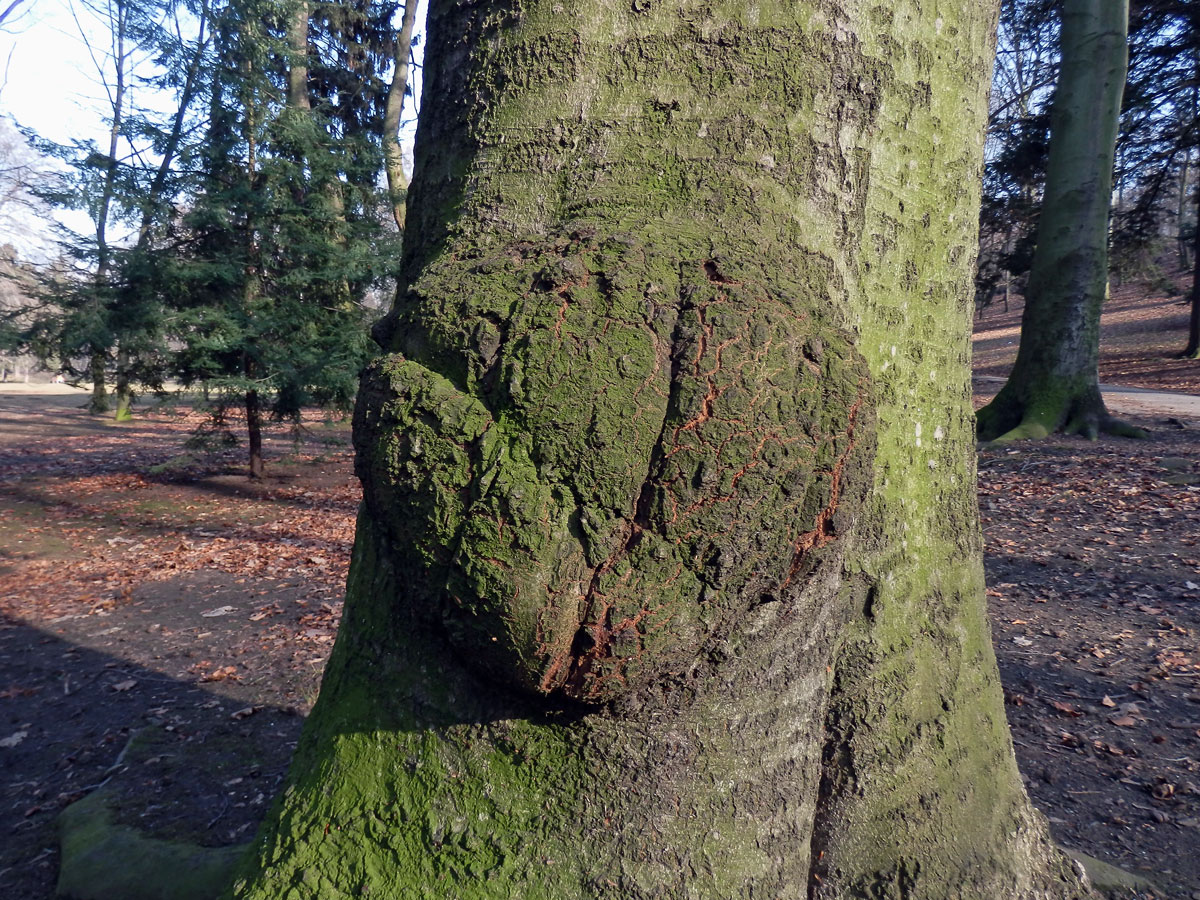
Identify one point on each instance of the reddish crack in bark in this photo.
(823, 533)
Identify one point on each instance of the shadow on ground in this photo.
(182, 760)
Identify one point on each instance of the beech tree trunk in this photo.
(667, 580)
(1054, 384)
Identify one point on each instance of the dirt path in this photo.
(1145, 402)
(1141, 334)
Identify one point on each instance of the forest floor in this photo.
(164, 621)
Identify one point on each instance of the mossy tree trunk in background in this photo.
(1054, 384)
(668, 579)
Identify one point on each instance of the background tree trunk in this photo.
(254, 431)
(297, 93)
(393, 114)
(1054, 384)
(99, 403)
(667, 580)
(1192, 350)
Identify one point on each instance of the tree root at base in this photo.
(1007, 419)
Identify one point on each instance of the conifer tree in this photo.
(284, 234)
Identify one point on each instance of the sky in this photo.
(48, 81)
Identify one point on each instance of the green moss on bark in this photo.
(669, 555)
(629, 453)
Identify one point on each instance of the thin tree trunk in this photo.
(1054, 384)
(1181, 209)
(99, 402)
(297, 95)
(323, 174)
(152, 204)
(393, 114)
(1192, 350)
(123, 389)
(254, 430)
(250, 281)
(667, 580)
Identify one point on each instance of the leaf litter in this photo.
(1090, 551)
(163, 621)
(107, 569)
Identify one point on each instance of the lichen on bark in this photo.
(656, 590)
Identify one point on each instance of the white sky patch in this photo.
(49, 82)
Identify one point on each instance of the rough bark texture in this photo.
(667, 580)
(1054, 384)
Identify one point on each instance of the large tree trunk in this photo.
(667, 579)
(1054, 384)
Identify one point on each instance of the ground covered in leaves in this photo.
(1093, 571)
(164, 622)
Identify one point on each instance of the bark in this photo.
(251, 286)
(393, 113)
(297, 94)
(1192, 350)
(1181, 210)
(667, 580)
(99, 402)
(1054, 384)
(254, 432)
(123, 388)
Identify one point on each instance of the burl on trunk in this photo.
(667, 580)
